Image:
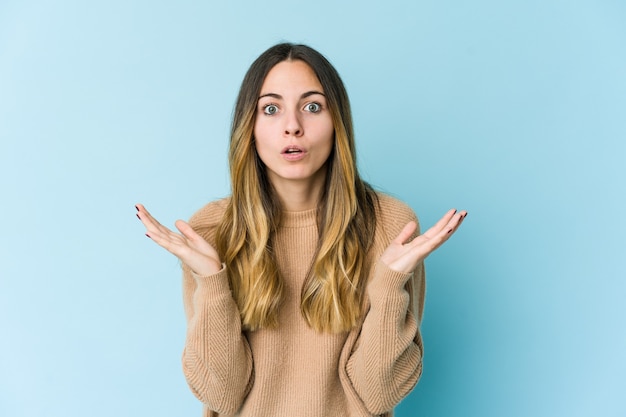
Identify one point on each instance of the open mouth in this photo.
(293, 153)
(292, 150)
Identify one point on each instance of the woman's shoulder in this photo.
(393, 214)
(209, 216)
(392, 207)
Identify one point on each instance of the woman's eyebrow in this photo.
(312, 92)
(273, 95)
(279, 97)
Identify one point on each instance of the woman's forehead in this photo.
(290, 76)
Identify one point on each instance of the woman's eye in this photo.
(270, 109)
(314, 107)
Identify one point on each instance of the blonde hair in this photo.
(332, 296)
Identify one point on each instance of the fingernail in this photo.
(138, 216)
(465, 215)
(449, 231)
(148, 236)
(137, 208)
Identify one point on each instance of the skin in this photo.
(292, 112)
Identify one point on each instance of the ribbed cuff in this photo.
(215, 283)
(386, 283)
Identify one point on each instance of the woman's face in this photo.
(293, 129)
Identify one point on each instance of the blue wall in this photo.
(512, 110)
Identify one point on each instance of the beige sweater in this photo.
(293, 371)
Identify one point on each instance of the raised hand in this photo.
(403, 256)
(188, 246)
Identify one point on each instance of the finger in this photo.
(462, 216)
(163, 236)
(171, 242)
(188, 231)
(455, 222)
(144, 214)
(166, 238)
(405, 233)
(451, 226)
(445, 234)
(141, 211)
(195, 240)
(441, 224)
(152, 225)
(161, 233)
(422, 246)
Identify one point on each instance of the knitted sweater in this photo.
(292, 370)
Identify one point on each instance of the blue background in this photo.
(512, 110)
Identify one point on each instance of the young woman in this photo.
(304, 289)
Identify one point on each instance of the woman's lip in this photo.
(296, 154)
(286, 149)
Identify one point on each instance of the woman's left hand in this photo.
(403, 256)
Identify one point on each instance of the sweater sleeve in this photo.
(386, 360)
(217, 361)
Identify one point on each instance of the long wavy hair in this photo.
(332, 295)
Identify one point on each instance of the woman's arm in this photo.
(386, 360)
(217, 361)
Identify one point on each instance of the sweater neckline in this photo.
(303, 218)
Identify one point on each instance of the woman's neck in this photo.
(299, 195)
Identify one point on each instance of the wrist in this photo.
(206, 270)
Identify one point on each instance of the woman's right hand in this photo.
(188, 246)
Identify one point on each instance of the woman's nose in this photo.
(293, 125)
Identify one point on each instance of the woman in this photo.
(304, 289)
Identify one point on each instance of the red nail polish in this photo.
(148, 236)
(137, 208)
